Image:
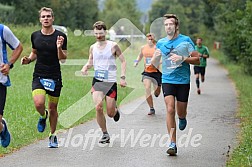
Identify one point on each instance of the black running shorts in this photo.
(108, 88)
(179, 91)
(37, 85)
(3, 92)
(155, 77)
(199, 70)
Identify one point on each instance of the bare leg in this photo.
(157, 90)
(170, 117)
(98, 100)
(147, 85)
(202, 78)
(39, 102)
(181, 109)
(111, 105)
(53, 116)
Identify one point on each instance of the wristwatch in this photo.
(10, 64)
(123, 77)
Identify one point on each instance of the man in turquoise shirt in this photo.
(177, 52)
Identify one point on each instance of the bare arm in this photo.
(5, 68)
(16, 53)
(139, 57)
(62, 54)
(89, 63)
(156, 59)
(31, 58)
(121, 57)
(193, 59)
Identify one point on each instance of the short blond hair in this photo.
(47, 10)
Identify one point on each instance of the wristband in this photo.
(29, 60)
(135, 61)
(123, 77)
(10, 64)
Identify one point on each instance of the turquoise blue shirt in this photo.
(175, 73)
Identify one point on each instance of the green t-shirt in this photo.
(203, 50)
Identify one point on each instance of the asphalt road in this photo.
(141, 140)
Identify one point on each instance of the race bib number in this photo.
(101, 74)
(48, 84)
(148, 61)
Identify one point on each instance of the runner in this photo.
(48, 47)
(200, 70)
(177, 52)
(102, 56)
(6, 37)
(151, 74)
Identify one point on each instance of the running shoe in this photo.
(5, 135)
(172, 149)
(105, 138)
(182, 123)
(117, 115)
(42, 123)
(152, 111)
(53, 142)
(198, 91)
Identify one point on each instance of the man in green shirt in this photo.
(199, 70)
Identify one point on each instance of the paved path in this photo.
(140, 140)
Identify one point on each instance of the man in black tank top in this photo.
(49, 46)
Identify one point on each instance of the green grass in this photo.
(19, 109)
(242, 154)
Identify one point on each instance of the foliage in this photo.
(4, 12)
(244, 28)
(188, 12)
(115, 10)
(75, 14)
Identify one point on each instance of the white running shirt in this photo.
(13, 42)
(104, 63)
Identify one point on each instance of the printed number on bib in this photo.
(148, 61)
(101, 74)
(48, 84)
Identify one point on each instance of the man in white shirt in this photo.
(6, 37)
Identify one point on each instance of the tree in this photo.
(73, 14)
(115, 10)
(188, 12)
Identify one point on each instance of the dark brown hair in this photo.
(168, 16)
(99, 25)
